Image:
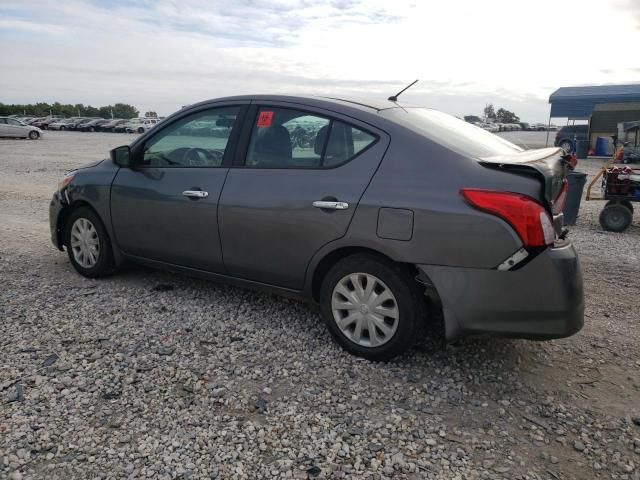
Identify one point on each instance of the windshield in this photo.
(452, 132)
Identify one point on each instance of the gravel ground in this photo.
(149, 374)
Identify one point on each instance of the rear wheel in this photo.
(371, 306)
(566, 145)
(88, 244)
(616, 218)
(140, 130)
(33, 135)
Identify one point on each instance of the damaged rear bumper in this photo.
(542, 300)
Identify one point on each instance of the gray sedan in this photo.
(10, 127)
(398, 221)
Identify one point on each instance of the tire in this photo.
(566, 145)
(624, 203)
(91, 129)
(407, 304)
(103, 265)
(62, 129)
(615, 218)
(141, 130)
(33, 135)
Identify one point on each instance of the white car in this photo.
(10, 127)
(141, 125)
(489, 127)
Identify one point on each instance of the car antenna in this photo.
(394, 98)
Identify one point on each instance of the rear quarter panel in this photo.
(420, 175)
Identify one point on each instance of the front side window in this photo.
(11, 121)
(197, 140)
(287, 138)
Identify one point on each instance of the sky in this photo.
(162, 54)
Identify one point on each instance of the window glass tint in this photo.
(451, 132)
(286, 138)
(198, 140)
(344, 143)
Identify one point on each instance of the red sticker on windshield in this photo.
(264, 119)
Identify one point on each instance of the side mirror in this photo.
(121, 156)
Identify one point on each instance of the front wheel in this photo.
(371, 306)
(87, 243)
(33, 135)
(616, 218)
(140, 130)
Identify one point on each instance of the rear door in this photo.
(296, 189)
(166, 207)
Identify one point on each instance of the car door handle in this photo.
(330, 205)
(195, 193)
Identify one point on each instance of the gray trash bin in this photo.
(582, 148)
(576, 182)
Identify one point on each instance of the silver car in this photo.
(10, 127)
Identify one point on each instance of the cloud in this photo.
(15, 24)
(161, 54)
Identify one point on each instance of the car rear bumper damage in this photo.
(542, 300)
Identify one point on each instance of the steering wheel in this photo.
(200, 157)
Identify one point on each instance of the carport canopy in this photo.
(577, 103)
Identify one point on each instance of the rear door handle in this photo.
(195, 193)
(330, 205)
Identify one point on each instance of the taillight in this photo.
(527, 217)
(561, 199)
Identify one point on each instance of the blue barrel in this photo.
(602, 147)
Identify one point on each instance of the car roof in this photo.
(365, 104)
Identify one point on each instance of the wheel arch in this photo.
(63, 217)
(329, 259)
(433, 303)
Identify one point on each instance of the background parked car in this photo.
(64, 124)
(10, 127)
(564, 137)
(82, 121)
(34, 120)
(92, 125)
(44, 124)
(111, 125)
(132, 122)
(143, 126)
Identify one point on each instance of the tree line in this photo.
(491, 115)
(42, 109)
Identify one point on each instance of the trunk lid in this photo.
(549, 165)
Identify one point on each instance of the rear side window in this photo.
(452, 132)
(288, 138)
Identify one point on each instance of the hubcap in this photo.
(365, 309)
(85, 243)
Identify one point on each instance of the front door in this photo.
(271, 221)
(165, 208)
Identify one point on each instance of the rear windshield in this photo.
(451, 132)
